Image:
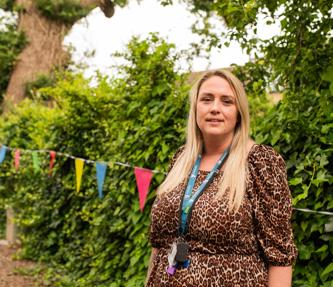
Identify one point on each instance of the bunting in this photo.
(35, 161)
(100, 174)
(79, 163)
(101, 167)
(3, 153)
(143, 177)
(52, 159)
(17, 155)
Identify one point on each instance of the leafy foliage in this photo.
(65, 11)
(2, 221)
(68, 11)
(7, 4)
(34, 89)
(97, 242)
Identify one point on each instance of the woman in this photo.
(228, 223)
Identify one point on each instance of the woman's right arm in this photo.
(154, 252)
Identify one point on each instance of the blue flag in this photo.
(100, 174)
(3, 153)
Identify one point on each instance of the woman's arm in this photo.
(154, 252)
(279, 276)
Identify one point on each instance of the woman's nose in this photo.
(216, 106)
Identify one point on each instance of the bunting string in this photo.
(314, 211)
(88, 161)
(143, 176)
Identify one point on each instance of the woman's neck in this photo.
(214, 147)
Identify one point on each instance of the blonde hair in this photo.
(233, 181)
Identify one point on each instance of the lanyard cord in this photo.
(188, 200)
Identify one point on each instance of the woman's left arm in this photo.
(279, 276)
(272, 215)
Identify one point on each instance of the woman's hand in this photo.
(279, 276)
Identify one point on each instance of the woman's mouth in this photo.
(214, 120)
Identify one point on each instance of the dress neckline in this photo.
(202, 171)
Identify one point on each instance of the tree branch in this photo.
(107, 6)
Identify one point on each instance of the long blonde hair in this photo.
(233, 181)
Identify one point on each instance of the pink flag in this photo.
(52, 159)
(143, 177)
(17, 156)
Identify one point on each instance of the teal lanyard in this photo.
(189, 199)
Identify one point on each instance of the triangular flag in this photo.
(143, 177)
(35, 161)
(100, 173)
(79, 163)
(3, 153)
(17, 155)
(52, 159)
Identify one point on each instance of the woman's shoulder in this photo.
(175, 156)
(179, 151)
(261, 153)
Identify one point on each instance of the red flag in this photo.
(143, 177)
(17, 159)
(52, 159)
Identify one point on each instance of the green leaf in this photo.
(295, 181)
(328, 74)
(328, 269)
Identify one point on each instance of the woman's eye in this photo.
(227, 101)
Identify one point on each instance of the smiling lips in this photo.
(214, 120)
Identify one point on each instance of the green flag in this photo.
(35, 161)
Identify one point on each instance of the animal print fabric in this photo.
(228, 249)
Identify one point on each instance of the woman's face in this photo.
(216, 114)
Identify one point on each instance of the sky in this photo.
(108, 35)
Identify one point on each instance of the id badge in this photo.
(181, 252)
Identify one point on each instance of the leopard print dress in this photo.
(228, 249)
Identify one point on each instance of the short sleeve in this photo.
(272, 206)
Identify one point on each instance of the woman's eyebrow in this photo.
(223, 96)
(206, 94)
(227, 96)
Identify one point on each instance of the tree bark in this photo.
(44, 50)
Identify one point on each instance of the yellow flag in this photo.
(79, 162)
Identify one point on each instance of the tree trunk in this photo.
(44, 50)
